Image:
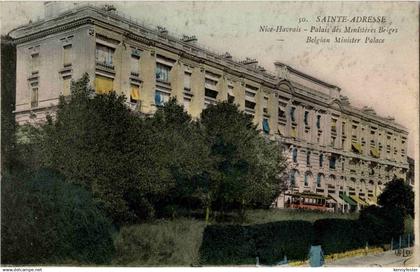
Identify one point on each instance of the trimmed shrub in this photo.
(382, 224)
(228, 244)
(284, 238)
(163, 243)
(339, 235)
(48, 221)
(235, 244)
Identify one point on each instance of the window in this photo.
(265, 105)
(318, 180)
(305, 118)
(104, 55)
(135, 65)
(292, 113)
(161, 98)
(250, 93)
(333, 125)
(162, 72)
(35, 62)
(210, 93)
(134, 93)
(292, 177)
(34, 94)
(249, 105)
(187, 102)
(231, 96)
(332, 162)
(187, 81)
(67, 55)
(333, 141)
(103, 84)
(321, 159)
(305, 179)
(308, 158)
(66, 85)
(266, 126)
(294, 154)
(318, 121)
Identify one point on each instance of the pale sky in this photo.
(384, 76)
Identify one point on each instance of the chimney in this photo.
(282, 71)
(189, 39)
(51, 9)
(54, 8)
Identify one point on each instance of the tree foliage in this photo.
(140, 167)
(246, 167)
(398, 194)
(46, 220)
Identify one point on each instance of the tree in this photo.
(8, 100)
(47, 220)
(398, 194)
(381, 224)
(174, 158)
(93, 141)
(246, 167)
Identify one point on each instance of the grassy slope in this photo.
(265, 216)
(162, 243)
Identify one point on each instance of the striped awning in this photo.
(348, 200)
(372, 201)
(359, 200)
(375, 152)
(335, 198)
(357, 147)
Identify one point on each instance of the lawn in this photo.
(272, 215)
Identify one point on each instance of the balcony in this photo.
(134, 106)
(106, 67)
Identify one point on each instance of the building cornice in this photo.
(89, 15)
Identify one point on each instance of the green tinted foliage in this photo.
(398, 194)
(141, 167)
(46, 220)
(246, 167)
(271, 242)
(162, 243)
(381, 224)
(339, 235)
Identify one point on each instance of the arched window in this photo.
(318, 180)
(321, 159)
(308, 158)
(294, 154)
(333, 159)
(292, 177)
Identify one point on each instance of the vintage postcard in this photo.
(222, 133)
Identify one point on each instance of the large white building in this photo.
(342, 155)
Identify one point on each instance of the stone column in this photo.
(148, 75)
(176, 77)
(197, 88)
(273, 111)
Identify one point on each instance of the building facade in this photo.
(340, 153)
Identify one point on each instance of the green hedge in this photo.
(339, 235)
(46, 220)
(235, 244)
